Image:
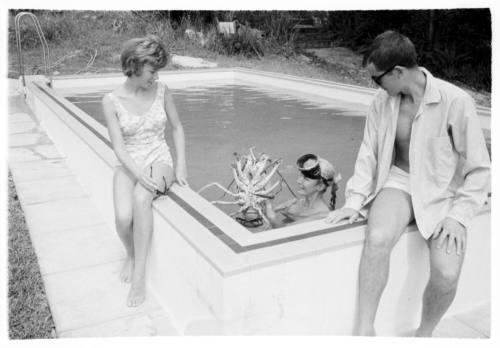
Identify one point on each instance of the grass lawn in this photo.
(29, 312)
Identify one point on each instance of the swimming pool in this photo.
(212, 274)
(225, 119)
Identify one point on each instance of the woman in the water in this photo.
(316, 175)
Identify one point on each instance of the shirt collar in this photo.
(431, 93)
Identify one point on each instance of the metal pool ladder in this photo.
(45, 47)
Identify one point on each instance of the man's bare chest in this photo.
(406, 115)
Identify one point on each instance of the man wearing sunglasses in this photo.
(423, 158)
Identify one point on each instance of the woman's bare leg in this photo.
(123, 187)
(143, 228)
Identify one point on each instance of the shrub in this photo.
(56, 28)
(244, 42)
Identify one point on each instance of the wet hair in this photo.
(138, 52)
(333, 197)
(330, 177)
(389, 49)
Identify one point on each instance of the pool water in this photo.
(221, 120)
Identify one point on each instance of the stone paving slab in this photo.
(39, 170)
(478, 319)
(46, 190)
(42, 152)
(64, 214)
(90, 296)
(453, 328)
(21, 117)
(153, 323)
(13, 86)
(62, 251)
(23, 127)
(28, 139)
(48, 152)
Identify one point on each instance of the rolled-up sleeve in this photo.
(469, 142)
(362, 183)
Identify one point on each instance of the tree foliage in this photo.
(454, 44)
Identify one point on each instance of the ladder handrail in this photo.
(45, 46)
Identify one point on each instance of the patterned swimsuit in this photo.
(144, 135)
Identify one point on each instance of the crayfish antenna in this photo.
(252, 154)
(216, 184)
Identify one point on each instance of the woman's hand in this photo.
(270, 213)
(181, 175)
(341, 214)
(147, 182)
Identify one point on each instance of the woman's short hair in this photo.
(389, 49)
(138, 52)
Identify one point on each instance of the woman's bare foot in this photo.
(127, 270)
(137, 293)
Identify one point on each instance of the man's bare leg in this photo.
(390, 214)
(441, 288)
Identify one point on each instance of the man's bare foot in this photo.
(365, 332)
(127, 270)
(137, 294)
(409, 333)
(423, 333)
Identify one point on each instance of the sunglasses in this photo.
(156, 191)
(378, 78)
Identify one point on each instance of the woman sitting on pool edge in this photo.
(137, 113)
(316, 175)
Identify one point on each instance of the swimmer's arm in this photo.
(285, 205)
(179, 138)
(115, 135)
(275, 222)
(270, 212)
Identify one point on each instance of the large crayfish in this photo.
(251, 174)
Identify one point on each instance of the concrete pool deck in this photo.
(80, 255)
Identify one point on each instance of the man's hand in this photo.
(341, 214)
(452, 230)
